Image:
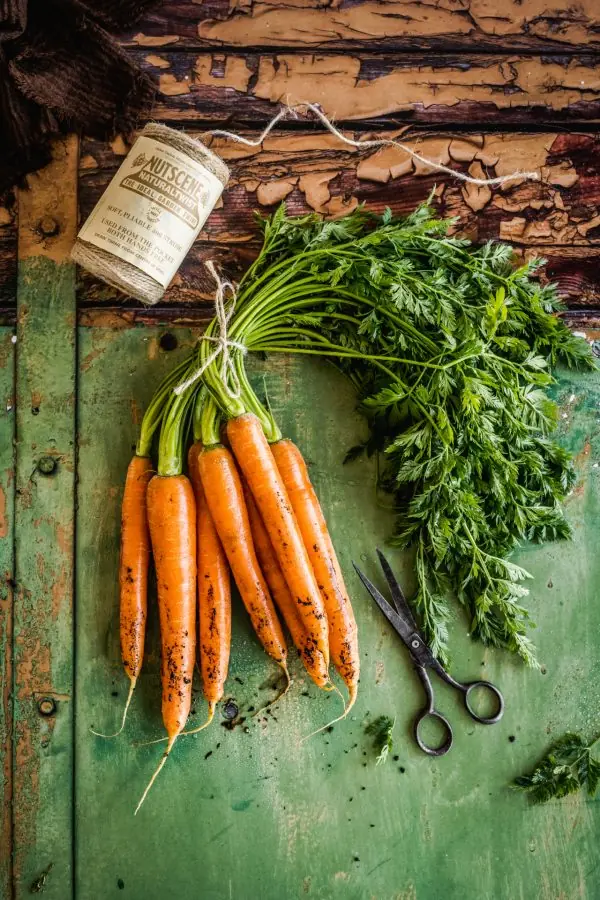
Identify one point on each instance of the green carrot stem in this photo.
(209, 422)
(156, 407)
(173, 429)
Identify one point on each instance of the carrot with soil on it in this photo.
(172, 522)
(254, 457)
(214, 592)
(135, 544)
(343, 633)
(313, 660)
(225, 499)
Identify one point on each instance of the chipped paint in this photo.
(335, 83)
(235, 73)
(148, 40)
(159, 62)
(3, 515)
(273, 24)
(170, 86)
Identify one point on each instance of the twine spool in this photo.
(151, 213)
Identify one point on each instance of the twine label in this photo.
(153, 209)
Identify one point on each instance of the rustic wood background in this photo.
(485, 86)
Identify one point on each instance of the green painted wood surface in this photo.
(7, 421)
(42, 613)
(252, 812)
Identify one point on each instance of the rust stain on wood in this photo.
(48, 210)
(3, 517)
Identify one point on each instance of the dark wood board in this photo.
(523, 25)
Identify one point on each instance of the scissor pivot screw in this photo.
(415, 644)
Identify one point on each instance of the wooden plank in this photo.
(557, 218)
(421, 89)
(316, 171)
(280, 819)
(7, 476)
(44, 532)
(526, 25)
(8, 253)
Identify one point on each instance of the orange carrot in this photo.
(312, 659)
(256, 461)
(172, 521)
(343, 640)
(214, 593)
(225, 499)
(133, 574)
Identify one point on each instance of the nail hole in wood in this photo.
(168, 341)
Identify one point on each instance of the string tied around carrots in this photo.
(228, 373)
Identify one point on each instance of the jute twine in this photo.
(122, 274)
(128, 278)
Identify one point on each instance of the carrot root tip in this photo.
(353, 693)
(157, 771)
(132, 684)
(282, 692)
(211, 713)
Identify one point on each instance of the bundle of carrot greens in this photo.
(450, 347)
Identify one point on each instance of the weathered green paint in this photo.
(265, 816)
(43, 622)
(7, 417)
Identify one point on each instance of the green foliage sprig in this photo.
(382, 731)
(567, 767)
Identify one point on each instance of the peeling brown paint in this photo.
(315, 189)
(3, 517)
(274, 24)
(235, 74)
(33, 668)
(59, 593)
(273, 191)
(159, 62)
(171, 86)
(335, 83)
(148, 40)
(90, 358)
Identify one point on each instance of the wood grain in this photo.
(393, 24)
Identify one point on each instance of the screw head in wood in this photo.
(48, 227)
(47, 465)
(47, 706)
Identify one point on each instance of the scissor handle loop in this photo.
(442, 748)
(469, 687)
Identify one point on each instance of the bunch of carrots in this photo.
(246, 506)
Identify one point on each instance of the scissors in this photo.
(401, 618)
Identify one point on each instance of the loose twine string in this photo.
(224, 316)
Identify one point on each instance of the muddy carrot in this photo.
(214, 593)
(343, 640)
(312, 659)
(254, 457)
(225, 498)
(135, 543)
(172, 524)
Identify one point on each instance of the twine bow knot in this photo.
(228, 372)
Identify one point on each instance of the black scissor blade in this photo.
(396, 621)
(400, 601)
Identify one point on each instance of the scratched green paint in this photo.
(247, 813)
(43, 621)
(6, 578)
